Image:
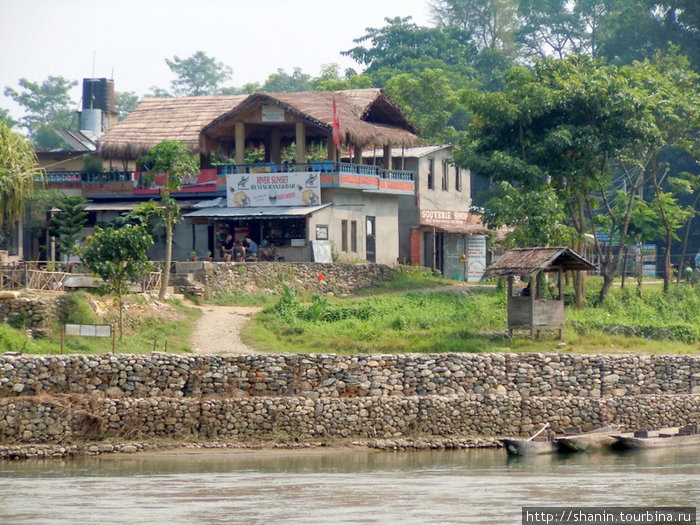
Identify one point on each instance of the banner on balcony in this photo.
(204, 181)
(244, 190)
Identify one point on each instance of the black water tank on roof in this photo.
(98, 93)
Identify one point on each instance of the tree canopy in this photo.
(18, 169)
(198, 75)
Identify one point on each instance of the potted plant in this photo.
(210, 257)
(194, 256)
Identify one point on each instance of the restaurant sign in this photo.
(445, 218)
(273, 189)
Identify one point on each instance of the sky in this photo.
(129, 40)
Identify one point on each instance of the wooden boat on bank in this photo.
(663, 438)
(574, 442)
(595, 439)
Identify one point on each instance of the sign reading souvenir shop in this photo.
(245, 190)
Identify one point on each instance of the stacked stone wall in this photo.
(268, 277)
(59, 399)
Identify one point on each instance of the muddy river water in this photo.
(327, 486)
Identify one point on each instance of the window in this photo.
(445, 186)
(458, 179)
(353, 236)
(431, 174)
(344, 236)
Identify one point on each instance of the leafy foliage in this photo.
(198, 75)
(18, 169)
(68, 223)
(119, 256)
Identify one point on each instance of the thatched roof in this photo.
(159, 119)
(367, 117)
(528, 261)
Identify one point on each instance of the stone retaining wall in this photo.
(31, 313)
(320, 375)
(64, 419)
(267, 277)
(59, 399)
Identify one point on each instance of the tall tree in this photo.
(491, 24)
(47, 107)
(69, 222)
(19, 168)
(198, 75)
(283, 82)
(561, 126)
(173, 160)
(125, 102)
(119, 256)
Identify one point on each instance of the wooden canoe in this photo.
(593, 440)
(526, 447)
(664, 438)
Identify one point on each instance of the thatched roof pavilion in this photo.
(209, 124)
(525, 262)
(528, 310)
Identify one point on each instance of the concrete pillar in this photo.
(387, 157)
(240, 143)
(275, 146)
(301, 142)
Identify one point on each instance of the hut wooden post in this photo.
(509, 300)
(357, 154)
(331, 149)
(561, 297)
(387, 157)
(533, 295)
(275, 146)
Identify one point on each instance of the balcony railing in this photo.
(323, 166)
(88, 178)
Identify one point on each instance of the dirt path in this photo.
(218, 330)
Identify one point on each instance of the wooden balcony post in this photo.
(301, 142)
(240, 143)
(387, 157)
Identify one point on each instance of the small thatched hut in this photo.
(528, 310)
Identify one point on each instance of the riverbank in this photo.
(98, 448)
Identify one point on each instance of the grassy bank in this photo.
(474, 320)
(148, 325)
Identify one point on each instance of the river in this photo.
(328, 486)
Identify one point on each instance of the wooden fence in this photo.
(35, 275)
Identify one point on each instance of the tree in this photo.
(68, 223)
(119, 256)
(536, 217)
(174, 160)
(198, 75)
(282, 82)
(125, 102)
(47, 106)
(19, 168)
(490, 24)
(562, 126)
(428, 101)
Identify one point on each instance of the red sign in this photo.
(204, 181)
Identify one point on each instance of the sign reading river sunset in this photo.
(244, 190)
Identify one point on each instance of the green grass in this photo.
(440, 321)
(142, 335)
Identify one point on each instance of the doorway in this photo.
(371, 237)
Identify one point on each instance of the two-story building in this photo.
(310, 206)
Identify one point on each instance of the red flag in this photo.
(336, 126)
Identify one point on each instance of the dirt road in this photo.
(218, 330)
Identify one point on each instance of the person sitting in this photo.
(251, 248)
(227, 246)
(239, 252)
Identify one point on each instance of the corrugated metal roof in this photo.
(528, 261)
(256, 212)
